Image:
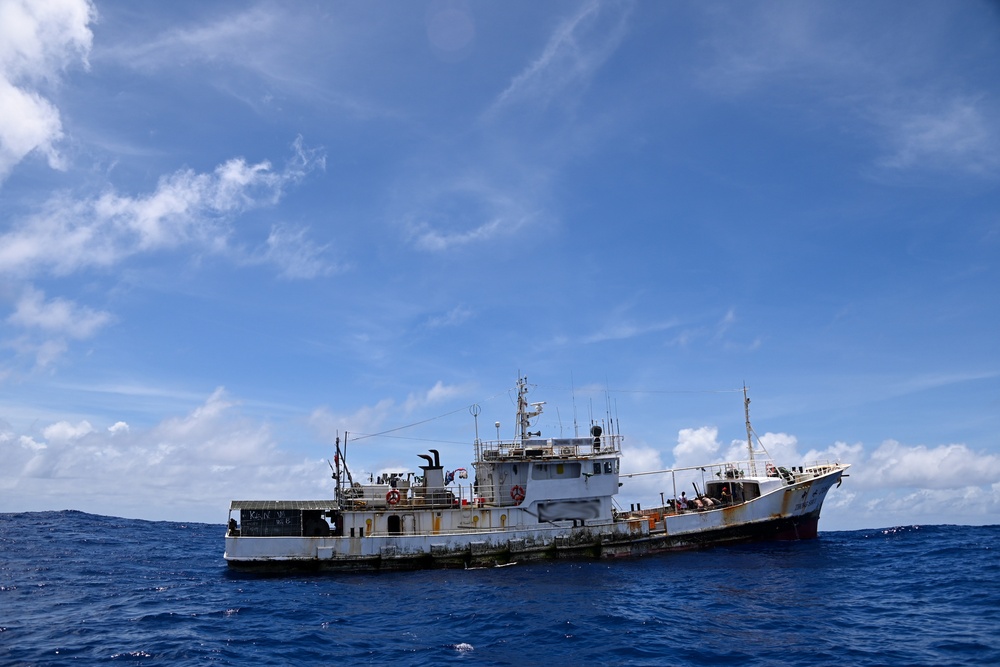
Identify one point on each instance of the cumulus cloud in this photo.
(890, 485)
(639, 458)
(894, 465)
(186, 208)
(782, 447)
(64, 432)
(38, 40)
(118, 427)
(191, 464)
(696, 446)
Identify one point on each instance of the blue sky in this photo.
(230, 231)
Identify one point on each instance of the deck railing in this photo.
(488, 450)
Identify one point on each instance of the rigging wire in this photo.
(646, 391)
(423, 421)
(507, 392)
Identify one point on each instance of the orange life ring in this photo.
(392, 497)
(517, 493)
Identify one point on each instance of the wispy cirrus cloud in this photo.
(950, 133)
(507, 192)
(235, 38)
(577, 48)
(921, 118)
(254, 42)
(373, 418)
(454, 317)
(295, 256)
(624, 330)
(38, 40)
(440, 219)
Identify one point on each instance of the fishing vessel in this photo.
(530, 497)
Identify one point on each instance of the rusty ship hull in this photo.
(531, 498)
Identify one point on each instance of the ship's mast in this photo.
(524, 416)
(746, 412)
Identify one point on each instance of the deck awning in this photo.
(284, 505)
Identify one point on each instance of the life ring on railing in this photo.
(517, 493)
(771, 471)
(392, 497)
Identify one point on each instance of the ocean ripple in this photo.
(84, 588)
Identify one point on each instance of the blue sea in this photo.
(82, 589)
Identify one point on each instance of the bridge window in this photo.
(569, 470)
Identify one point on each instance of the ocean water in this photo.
(83, 589)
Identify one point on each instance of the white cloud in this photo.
(63, 432)
(639, 458)
(45, 352)
(368, 419)
(186, 208)
(48, 324)
(256, 43)
(577, 48)
(190, 465)
(696, 446)
(428, 238)
(622, 330)
(38, 39)
(57, 316)
(964, 504)
(453, 317)
(719, 332)
(27, 442)
(757, 45)
(955, 134)
(296, 257)
(440, 218)
(436, 395)
(923, 118)
(837, 452)
(894, 465)
(234, 38)
(29, 123)
(376, 418)
(782, 447)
